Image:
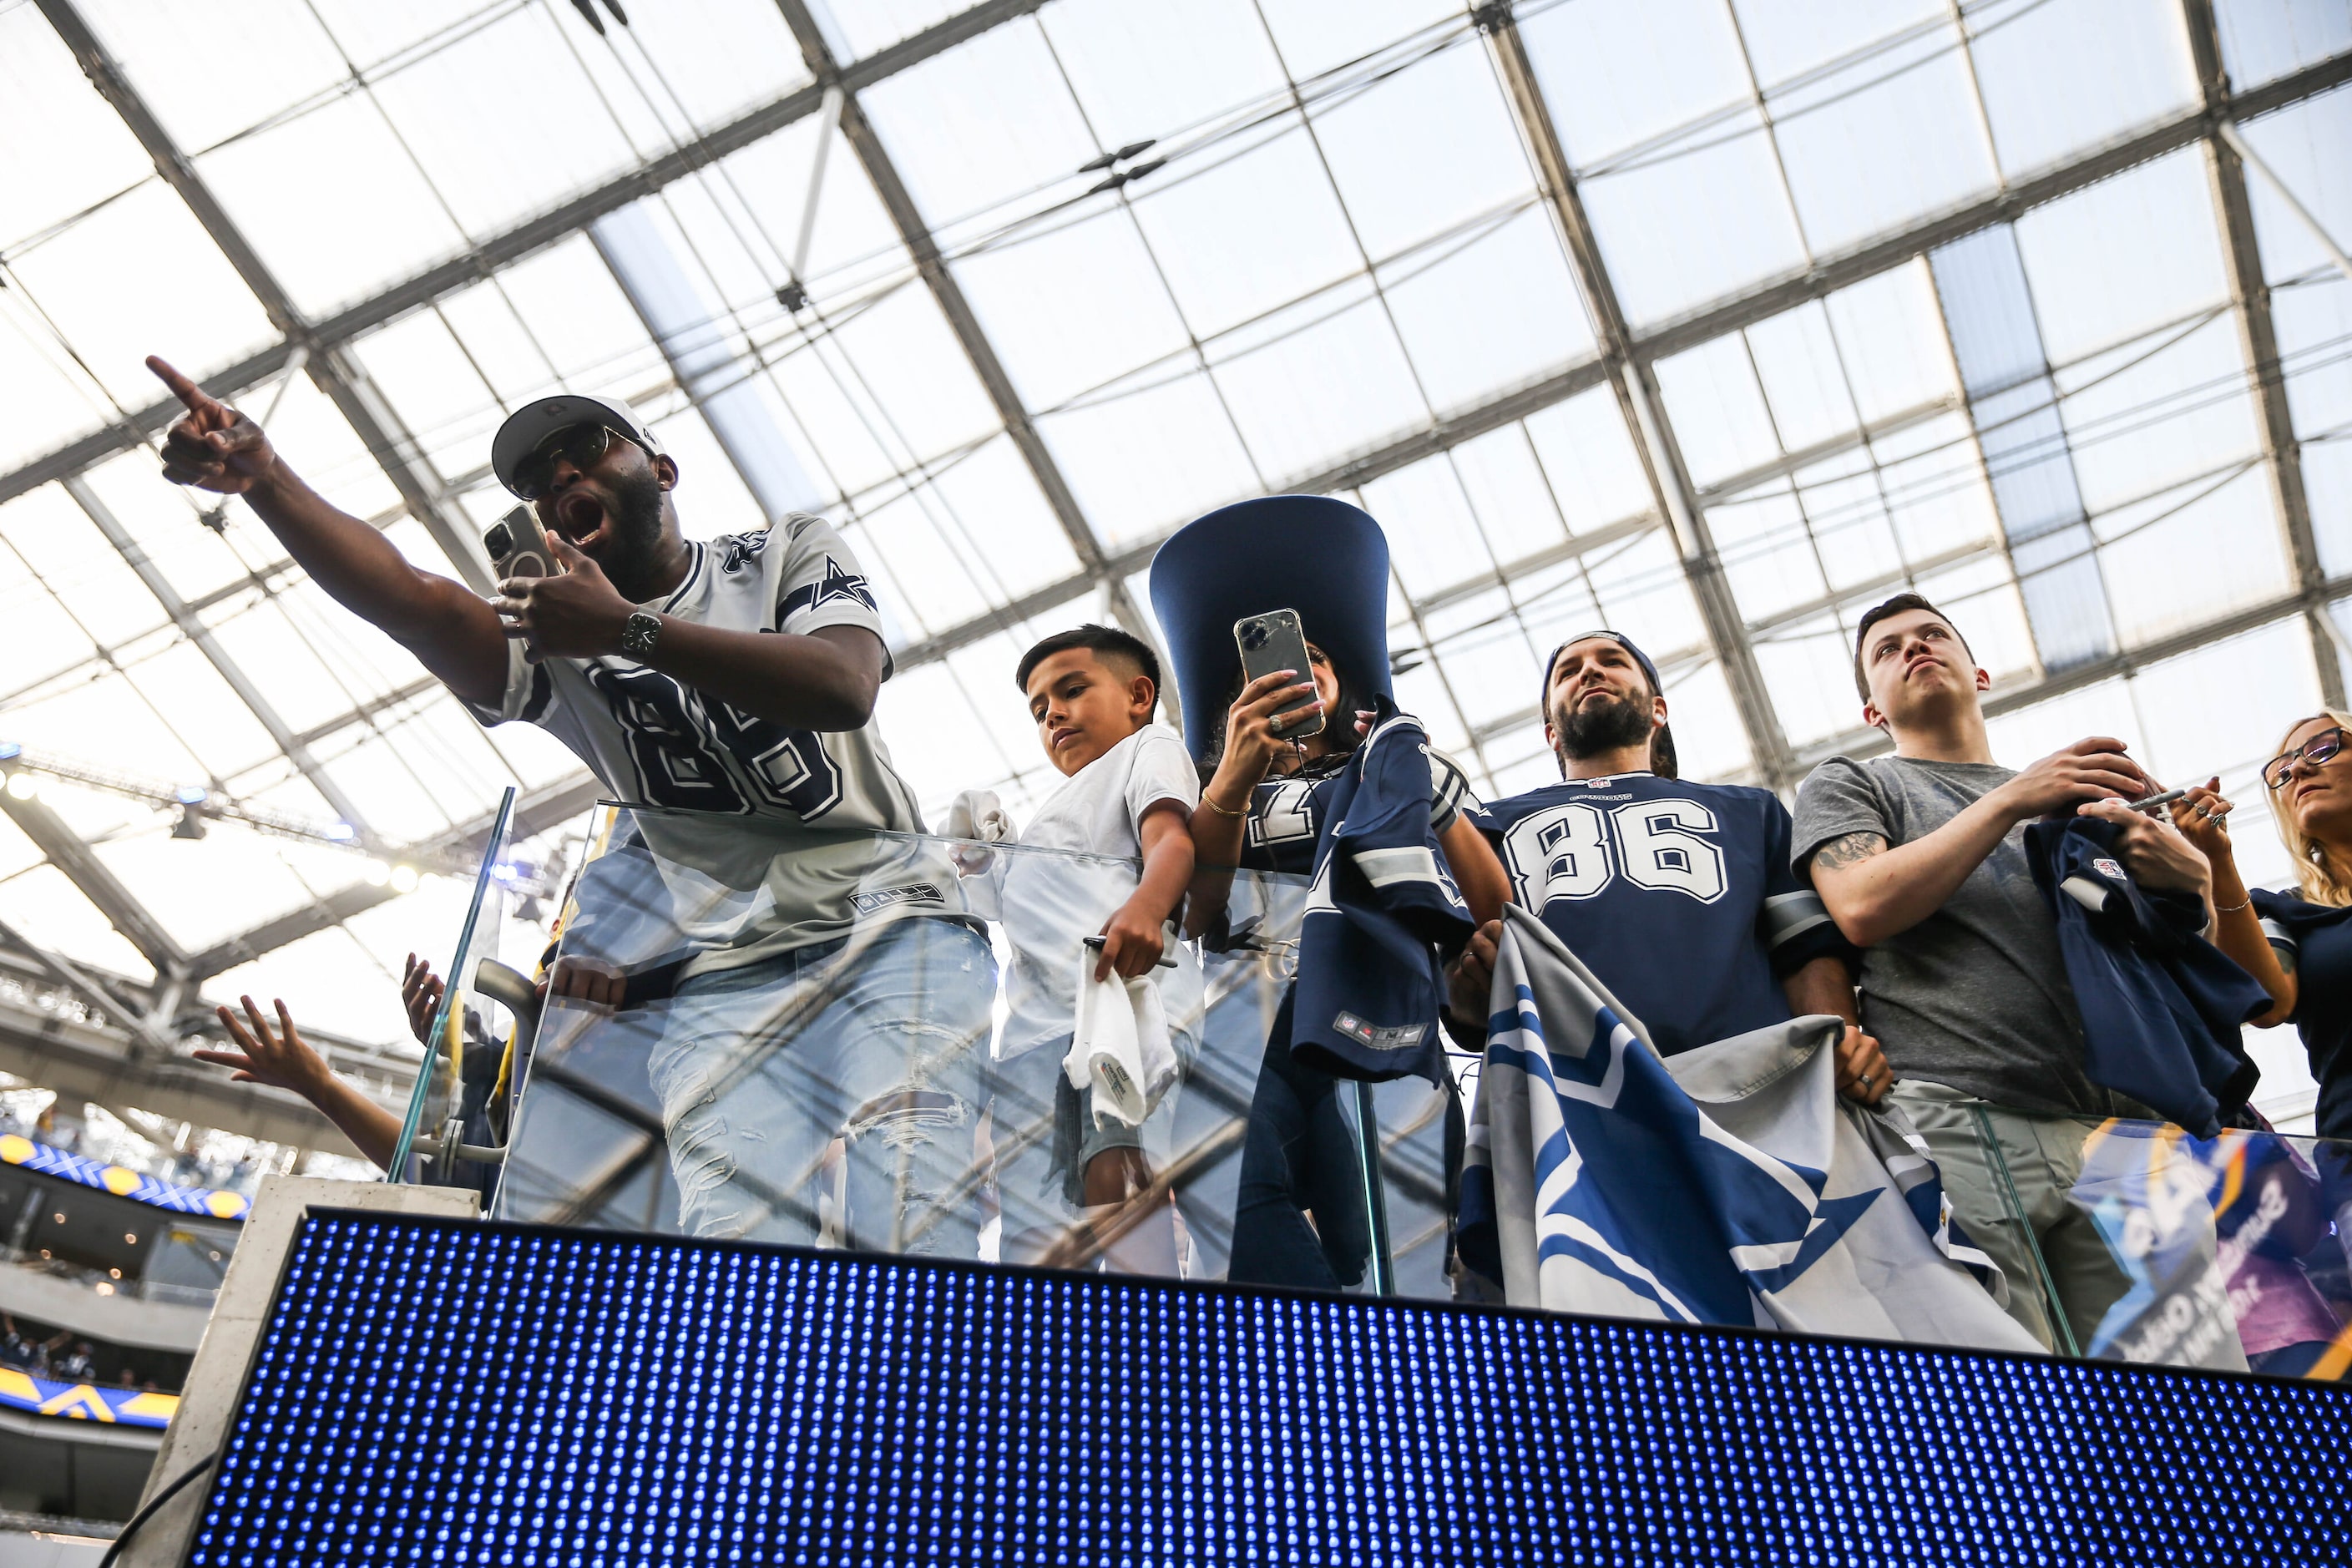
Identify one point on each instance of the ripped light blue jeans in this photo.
(877, 1040)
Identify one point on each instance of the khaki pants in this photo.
(2043, 1156)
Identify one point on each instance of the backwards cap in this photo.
(1661, 744)
(1323, 558)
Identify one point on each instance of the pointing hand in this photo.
(212, 445)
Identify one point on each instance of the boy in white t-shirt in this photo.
(1129, 796)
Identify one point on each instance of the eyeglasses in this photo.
(2320, 749)
(582, 446)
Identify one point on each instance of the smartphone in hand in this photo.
(1276, 641)
(518, 546)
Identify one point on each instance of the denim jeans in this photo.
(877, 1040)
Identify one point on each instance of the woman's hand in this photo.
(420, 995)
(282, 1060)
(2201, 815)
(1252, 738)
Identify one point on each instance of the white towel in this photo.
(977, 814)
(1120, 1044)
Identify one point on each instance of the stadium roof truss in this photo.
(1711, 321)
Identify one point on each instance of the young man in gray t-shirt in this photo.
(1920, 859)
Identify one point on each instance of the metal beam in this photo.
(1362, 468)
(1744, 308)
(64, 848)
(1841, 268)
(208, 643)
(916, 235)
(2258, 339)
(540, 811)
(1644, 409)
(526, 239)
(330, 369)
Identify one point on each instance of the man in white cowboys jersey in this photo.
(1677, 895)
(834, 988)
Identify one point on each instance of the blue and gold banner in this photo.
(121, 1180)
(84, 1402)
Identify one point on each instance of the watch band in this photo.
(639, 633)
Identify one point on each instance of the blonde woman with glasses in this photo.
(2300, 948)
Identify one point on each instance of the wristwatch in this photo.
(639, 632)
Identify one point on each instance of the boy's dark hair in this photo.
(1895, 606)
(1105, 642)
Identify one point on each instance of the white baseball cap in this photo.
(528, 428)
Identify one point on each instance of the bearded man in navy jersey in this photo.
(1677, 895)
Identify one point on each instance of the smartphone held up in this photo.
(1276, 641)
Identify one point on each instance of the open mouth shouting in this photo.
(582, 520)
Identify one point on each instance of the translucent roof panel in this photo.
(2058, 76)
(2264, 39)
(1325, 261)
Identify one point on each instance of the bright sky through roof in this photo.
(1335, 266)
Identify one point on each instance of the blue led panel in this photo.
(464, 1393)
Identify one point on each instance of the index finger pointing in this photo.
(197, 399)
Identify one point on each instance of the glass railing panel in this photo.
(2154, 1246)
(447, 1136)
(862, 1042)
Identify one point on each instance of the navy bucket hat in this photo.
(1323, 558)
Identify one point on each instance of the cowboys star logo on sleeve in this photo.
(835, 584)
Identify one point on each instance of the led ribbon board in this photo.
(119, 1180)
(465, 1393)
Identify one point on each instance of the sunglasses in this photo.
(2320, 749)
(582, 446)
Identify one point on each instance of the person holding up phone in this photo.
(2298, 944)
(1276, 748)
(728, 686)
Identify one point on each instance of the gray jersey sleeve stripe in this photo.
(1386, 868)
(1788, 916)
(2280, 936)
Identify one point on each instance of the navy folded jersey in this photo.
(2316, 940)
(1381, 913)
(2161, 1006)
(1677, 895)
(1286, 816)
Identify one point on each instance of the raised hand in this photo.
(420, 995)
(282, 1059)
(576, 613)
(1252, 739)
(2202, 815)
(212, 445)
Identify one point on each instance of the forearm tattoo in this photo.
(1848, 849)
